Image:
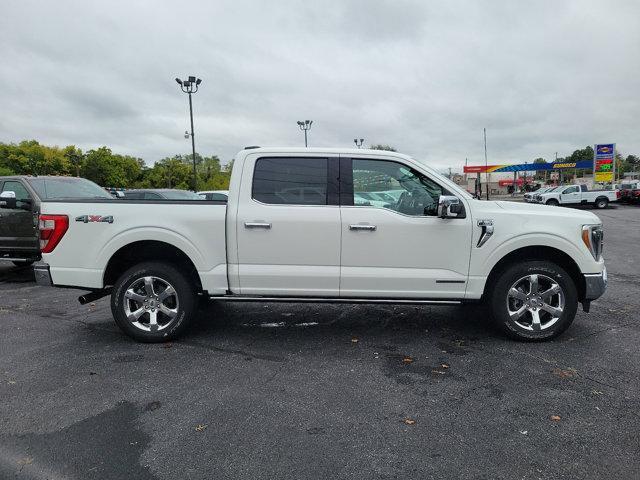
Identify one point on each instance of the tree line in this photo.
(109, 169)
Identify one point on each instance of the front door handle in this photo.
(257, 225)
(370, 228)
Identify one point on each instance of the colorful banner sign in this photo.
(527, 167)
(604, 162)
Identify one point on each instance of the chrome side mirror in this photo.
(449, 206)
(8, 199)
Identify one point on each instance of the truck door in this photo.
(18, 228)
(401, 248)
(571, 195)
(288, 226)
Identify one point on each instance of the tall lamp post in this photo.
(359, 145)
(305, 126)
(486, 173)
(190, 86)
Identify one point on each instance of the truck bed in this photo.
(195, 227)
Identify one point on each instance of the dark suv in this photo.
(20, 198)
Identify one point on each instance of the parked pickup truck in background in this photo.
(293, 231)
(577, 195)
(529, 196)
(20, 199)
(630, 192)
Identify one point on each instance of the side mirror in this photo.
(8, 200)
(449, 206)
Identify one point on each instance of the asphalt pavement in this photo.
(316, 391)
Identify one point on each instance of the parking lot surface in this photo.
(302, 391)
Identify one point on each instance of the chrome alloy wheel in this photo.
(151, 304)
(535, 302)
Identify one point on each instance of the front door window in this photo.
(391, 185)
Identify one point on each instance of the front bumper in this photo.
(596, 284)
(42, 274)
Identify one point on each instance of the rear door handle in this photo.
(257, 225)
(370, 228)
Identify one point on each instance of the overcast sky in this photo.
(422, 76)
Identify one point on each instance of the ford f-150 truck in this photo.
(292, 231)
(577, 195)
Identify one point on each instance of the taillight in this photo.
(617, 193)
(52, 229)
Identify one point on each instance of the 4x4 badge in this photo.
(94, 218)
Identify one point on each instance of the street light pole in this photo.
(305, 126)
(359, 145)
(190, 86)
(486, 173)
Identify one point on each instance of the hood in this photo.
(546, 210)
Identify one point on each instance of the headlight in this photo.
(593, 238)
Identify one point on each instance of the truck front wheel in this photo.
(533, 300)
(153, 302)
(553, 202)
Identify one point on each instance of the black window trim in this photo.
(332, 186)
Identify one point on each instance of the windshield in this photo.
(180, 195)
(53, 188)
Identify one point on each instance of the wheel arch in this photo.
(539, 252)
(149, 250)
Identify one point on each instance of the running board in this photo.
(409, 301)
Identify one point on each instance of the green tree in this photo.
(383, 147)
(111, 170)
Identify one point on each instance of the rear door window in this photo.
(290, 181)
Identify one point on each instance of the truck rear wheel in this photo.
(602, 203)
(153, 302)
(533, 301)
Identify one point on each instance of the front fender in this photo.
(484, 262)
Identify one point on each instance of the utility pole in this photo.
(359, 145)
(486, 167)
(190, 86)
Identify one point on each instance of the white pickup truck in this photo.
(291, 231)
(577, 195)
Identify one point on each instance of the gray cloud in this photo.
(423, 76)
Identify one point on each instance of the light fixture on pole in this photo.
(190, 86)
(305, 126)
(359, 145)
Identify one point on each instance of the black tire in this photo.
(547, 273)
(181, 305)
(552, 202)
(602, 203)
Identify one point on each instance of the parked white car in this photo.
(578, 195)
(531, 264)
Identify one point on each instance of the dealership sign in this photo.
(603, 162)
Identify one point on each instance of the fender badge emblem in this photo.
(94, 218)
